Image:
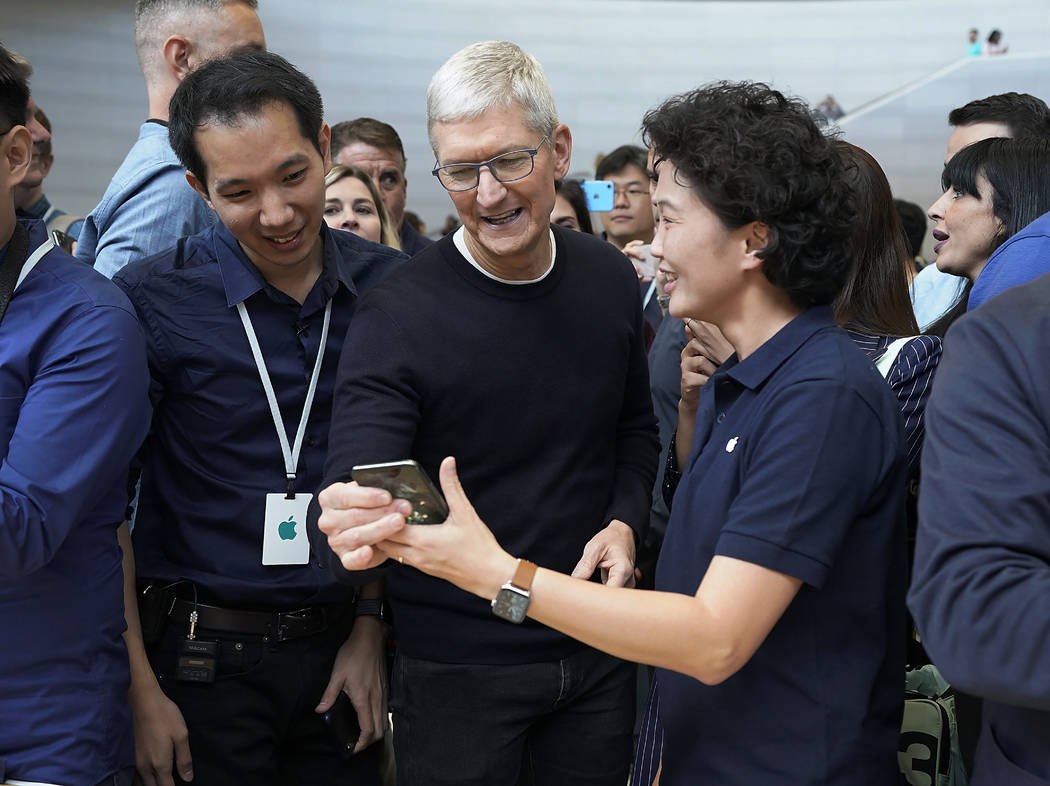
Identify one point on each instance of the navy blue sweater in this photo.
(540, 391)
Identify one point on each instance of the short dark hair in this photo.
(371, 132)
(227, 89)
(1018, 170)
(913, 222)
(573, 193)
(751, 154)
(14, 92)
(1024, 114)
(621, 158)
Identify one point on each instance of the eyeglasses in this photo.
(506, 168)
(630, 194)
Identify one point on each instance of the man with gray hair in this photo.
(518, 348)
(149, 205)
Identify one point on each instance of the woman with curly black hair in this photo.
(777, 624)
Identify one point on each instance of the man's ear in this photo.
(16, 155)
(755, 237)
(324, 141)
(177, 50)
(561, 148)
(198, 186)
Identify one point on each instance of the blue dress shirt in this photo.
(798, 466)
(933, 293)
(213, 453)
(147, 206)
(73, 411)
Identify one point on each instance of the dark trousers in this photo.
(256, 723)
(124, 777)
(562, 723)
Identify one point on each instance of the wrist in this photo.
(499, 573)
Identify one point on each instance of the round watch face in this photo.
(511, 604)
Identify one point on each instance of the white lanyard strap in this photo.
(291, 454)
(649, 295)
(35, 257)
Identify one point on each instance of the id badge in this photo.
(284, 535)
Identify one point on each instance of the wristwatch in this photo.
(373, 607)
(513, 599)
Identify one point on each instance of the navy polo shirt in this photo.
(213, 453)
(798, 466)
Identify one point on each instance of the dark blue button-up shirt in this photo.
(73, 411)
(213, 453)
(798, 466)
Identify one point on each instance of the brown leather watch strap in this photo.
(524, 574)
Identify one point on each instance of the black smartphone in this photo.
(405, 480)
(63, 241)
(341, 720)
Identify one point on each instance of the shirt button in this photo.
(721, 416)
(311, 442)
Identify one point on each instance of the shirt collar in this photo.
(757, 367)
(38, 209)
(241, 279)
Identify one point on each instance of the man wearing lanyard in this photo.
(249, 640)
(73, 410)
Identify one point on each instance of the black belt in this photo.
(277, 625)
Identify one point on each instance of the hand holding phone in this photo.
(341, 720)
(405, 480)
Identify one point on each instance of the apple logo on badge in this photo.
(286, 529)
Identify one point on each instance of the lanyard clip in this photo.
(291, 488)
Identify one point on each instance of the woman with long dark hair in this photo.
(874, 306)
(993, 189)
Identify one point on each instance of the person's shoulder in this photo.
(1019, 315)
(597, 259)
(69, 281)
(356, 250)
(830, 359)
(150, 153)
(186, 258)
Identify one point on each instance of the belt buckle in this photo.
(294, 624)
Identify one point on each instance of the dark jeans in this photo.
(122, 778)
(256, 723)
(563, 723)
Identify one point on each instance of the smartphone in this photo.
(406, 480)
(63, 241)
(341, 720)
(599, 195)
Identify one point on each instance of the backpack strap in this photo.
(63, 222)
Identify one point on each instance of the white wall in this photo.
(608, 61)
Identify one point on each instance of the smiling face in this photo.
(632, 215)
(266, 183)
(387, 170)
(507, 225)
(348, 205)
(699, 256)
(967, 231)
